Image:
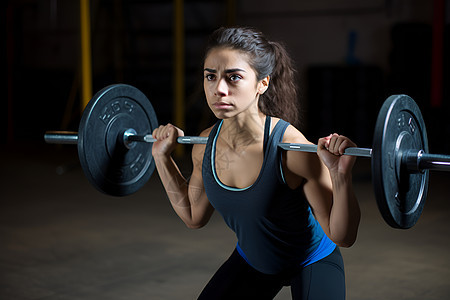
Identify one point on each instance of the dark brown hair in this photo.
(267, 58)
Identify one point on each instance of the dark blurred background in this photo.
(350, 56)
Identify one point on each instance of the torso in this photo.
(273, 222)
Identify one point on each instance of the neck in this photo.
(244, 130)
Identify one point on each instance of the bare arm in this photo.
(188, 198)
(328, 185)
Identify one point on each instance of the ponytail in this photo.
(280, 99)
(267, 59)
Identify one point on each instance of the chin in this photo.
(223, 115)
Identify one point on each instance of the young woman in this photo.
(289, 209)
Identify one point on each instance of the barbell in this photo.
(114, 147)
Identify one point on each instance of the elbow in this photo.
(197, 221)
(345, 237)
(345, 244)
(195, 225)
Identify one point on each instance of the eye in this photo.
(210, 77)
(234, 77)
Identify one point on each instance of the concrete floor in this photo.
(62, 239)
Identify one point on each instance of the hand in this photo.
(166, 137)
(330, 150)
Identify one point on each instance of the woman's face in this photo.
(230, 83)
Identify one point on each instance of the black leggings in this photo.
(235, 279)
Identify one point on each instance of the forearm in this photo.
(345, 213)
(176, 187)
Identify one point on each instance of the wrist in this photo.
(162, 156)
(340, 179)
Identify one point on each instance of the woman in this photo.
(289, 209)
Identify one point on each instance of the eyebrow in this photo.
(226, 71)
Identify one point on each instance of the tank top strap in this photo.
(215, 129)
(267, 126)
(278, 132)
(273, 153)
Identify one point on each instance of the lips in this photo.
(222, 105)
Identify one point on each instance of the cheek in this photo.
(205, 87)
(207, 90)
(250, 91)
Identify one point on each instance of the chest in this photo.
(238, 167)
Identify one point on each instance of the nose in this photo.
(221, 88)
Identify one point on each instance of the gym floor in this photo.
(62, 239)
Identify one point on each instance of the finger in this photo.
(165, 133)
(161, 132)
(345, 143)
(170, 131)
(179, 131)
(341, 145)
(334, 145)
(155, 132)
(324, 142)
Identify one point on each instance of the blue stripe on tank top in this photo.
(325, 248)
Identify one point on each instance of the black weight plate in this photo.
(110, 166)
(400, 193)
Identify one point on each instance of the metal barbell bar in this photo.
(413, 160)
(61, 137)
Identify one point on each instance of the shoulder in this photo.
(207, 131)
(292, 134)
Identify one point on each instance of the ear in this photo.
(263, 85)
